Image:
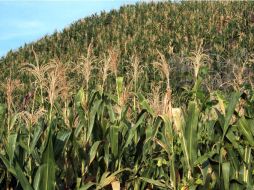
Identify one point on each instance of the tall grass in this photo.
(92, 139)
(174, 113)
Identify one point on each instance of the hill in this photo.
(225, 30)
(150, 96)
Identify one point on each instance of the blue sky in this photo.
(24, 21)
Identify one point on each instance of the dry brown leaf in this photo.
(115, 185)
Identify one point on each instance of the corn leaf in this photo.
(190, 133)
(245, 129)
(93, 113)
(230, 110)
(45, 175)
(107, 179)
(93, 151)
(154, 182)
(17, 171)
(114, 140)
(37, 133)
(2, 114)
(22, 178)
(226, 174)
(60, 141)
(11, 146)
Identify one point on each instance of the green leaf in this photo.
(111, 113)
(81, 125)
(247, 166)
(114, 140)
(245, 129)
(119, 87)
(17, 171)
(199, 181)
(60, 141)
(230, 110)
(45, 175)
(169, 141)
(93, 151)
(106, 179)
(190, 133)
(92, 115)
(133, 129)
(13, 120)
(205, 157)
(144, 104)
(38, 176)
(2, 114)
(8, 165)
(11, 146)
(251, 123)
(154, 182)
(226, 174)
(80, 97)
(22, 178)
(37, 133)
(232, 138)
(44, 171)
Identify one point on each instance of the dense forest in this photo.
(151, 96)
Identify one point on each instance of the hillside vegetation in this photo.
(151, 96)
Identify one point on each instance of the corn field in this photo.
(105, 122)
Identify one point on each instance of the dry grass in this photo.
(198, 59)
(9, 87)
(86, 66)
(110, 63)
(167, 103)
(164, 68)
(123, 99)
(242, 74)
(105, 69)
(57, 82)
(155, 98)
(239, 78)
(32, 118)
(161, 103)
(38, 72)
(137, 70)
(113, 56)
